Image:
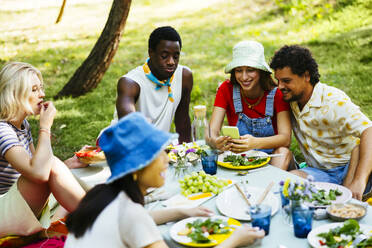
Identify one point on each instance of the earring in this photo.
(134, 177)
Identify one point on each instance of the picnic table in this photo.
(281, 234)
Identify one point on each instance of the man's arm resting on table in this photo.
(364, 167)
(128, 92)
(182, 118)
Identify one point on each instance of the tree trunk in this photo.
(59, 18)
(90, 73)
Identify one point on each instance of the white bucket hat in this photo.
(248, 53)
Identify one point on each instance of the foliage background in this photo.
(339, 34)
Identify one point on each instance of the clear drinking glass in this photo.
(286, 208)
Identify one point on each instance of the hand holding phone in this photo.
(230, 131)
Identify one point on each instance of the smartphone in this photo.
(231, 131)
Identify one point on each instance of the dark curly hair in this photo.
(299, 59)
(163, 33)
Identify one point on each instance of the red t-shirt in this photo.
(224, 99)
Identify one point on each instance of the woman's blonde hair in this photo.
(16, 88)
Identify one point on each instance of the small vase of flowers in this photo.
(184, 158)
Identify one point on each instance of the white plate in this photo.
(313, 239)
(231, 203)
(181, 201)
(100, 163)
(346, 193)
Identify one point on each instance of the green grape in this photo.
(201, 182)
(204, 189)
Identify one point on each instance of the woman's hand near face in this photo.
(245, 143)
(47, 114)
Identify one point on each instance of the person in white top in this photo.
(160, 88)
(334, 136)
(112, 214)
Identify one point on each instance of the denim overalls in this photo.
(257, 127)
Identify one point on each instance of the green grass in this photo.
(340, 40)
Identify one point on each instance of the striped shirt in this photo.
(11, 136)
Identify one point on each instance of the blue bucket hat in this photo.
(132, 144)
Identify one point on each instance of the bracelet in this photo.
(45, 130)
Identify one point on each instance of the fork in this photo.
(359, 239)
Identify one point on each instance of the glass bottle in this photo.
(200, 126)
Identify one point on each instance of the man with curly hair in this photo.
(334, 136)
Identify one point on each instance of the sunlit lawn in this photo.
(341, 42)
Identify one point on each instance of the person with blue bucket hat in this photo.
(112, 214)
(252, 102)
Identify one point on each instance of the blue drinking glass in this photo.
(302, 221)
(261, 216)
(209, 162)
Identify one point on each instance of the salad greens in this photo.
(239, 160)
(344, 235)
(323, 198)
(200, 230)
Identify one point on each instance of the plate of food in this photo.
(197, 188)
(345, 211)
(91, 155)
(339, 235)
(329, 193)
(243, 161)
(230, 203)
(203, 231)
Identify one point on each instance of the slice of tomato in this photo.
(321, 242)
(85, 154)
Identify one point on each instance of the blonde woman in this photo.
(251, 102)
(29, 174)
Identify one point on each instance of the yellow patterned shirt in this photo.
(328, 127)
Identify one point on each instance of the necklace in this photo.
(251, 106)
(157, 82)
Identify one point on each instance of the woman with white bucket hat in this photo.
(252, 102)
